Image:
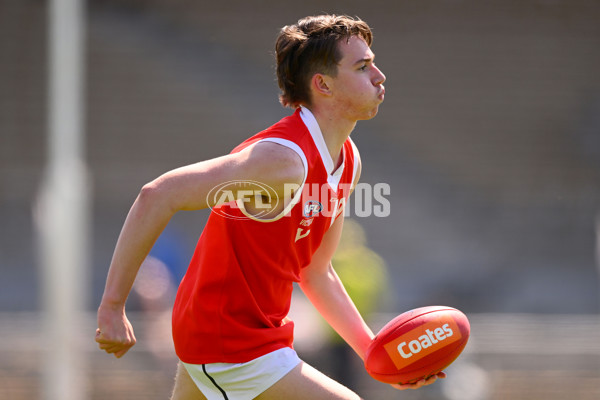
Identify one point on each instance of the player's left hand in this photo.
(421, 383)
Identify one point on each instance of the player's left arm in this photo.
(321, 284)
(324, 289)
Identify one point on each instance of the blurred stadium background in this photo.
(489, 138)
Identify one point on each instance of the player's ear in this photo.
(321, 84)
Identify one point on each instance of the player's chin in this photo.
(371, 113)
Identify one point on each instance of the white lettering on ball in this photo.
(425, 341)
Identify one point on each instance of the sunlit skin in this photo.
(354, 93)
(358, 85)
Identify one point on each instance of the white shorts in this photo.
(245, 381)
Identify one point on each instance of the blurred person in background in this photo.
(230, 325)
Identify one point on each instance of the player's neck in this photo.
(335, 131)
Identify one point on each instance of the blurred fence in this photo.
(509, 357)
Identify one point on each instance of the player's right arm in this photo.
(185, 188)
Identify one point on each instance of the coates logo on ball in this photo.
(417, 344)
(421, 341)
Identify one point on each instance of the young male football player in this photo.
(230, 324)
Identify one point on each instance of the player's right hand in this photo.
(115, 333)
(421, 383)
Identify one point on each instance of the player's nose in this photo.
(379, 76)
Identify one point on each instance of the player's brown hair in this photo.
(310, 47)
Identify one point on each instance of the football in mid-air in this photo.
(417, 344)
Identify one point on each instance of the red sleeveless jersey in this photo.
(232, 304)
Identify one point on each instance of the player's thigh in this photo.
(305, 382)
(185, 388)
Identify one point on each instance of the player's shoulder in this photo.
(274, 154)
(275, 160)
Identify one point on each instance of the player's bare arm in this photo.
(326, 292)
(322, 286)
(185, 188)
(319, 279)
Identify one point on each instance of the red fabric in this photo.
(232, 303)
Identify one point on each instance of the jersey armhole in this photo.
(356, 155)
(293, 146)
